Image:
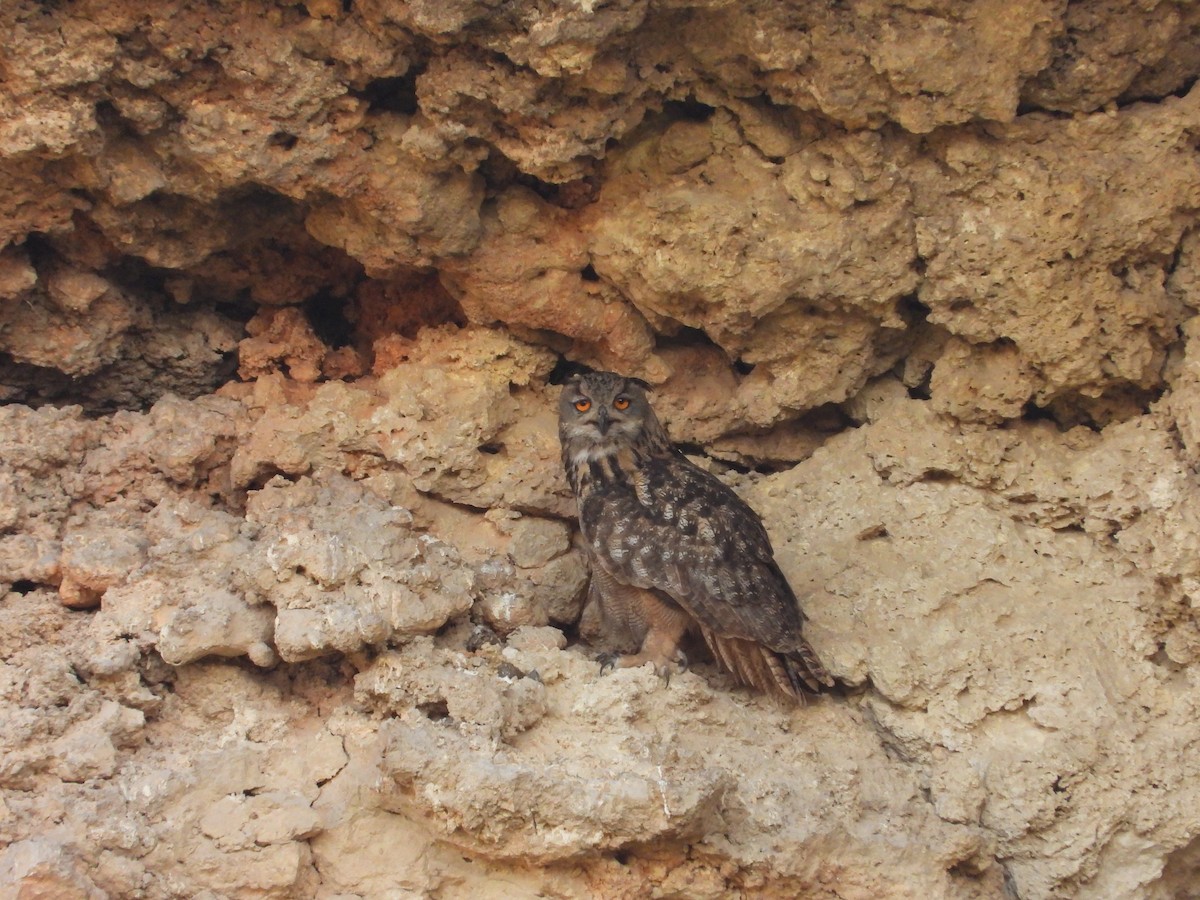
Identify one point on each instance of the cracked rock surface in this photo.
(291, 603)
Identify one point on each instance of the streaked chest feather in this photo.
(623, 497)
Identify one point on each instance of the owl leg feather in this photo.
(653, 617)
(665, 625)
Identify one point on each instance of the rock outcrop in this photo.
(290, 604)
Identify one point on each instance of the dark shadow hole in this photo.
(283, 140)
(588, 273)
(742, 367)
(938, 476)
(327, 316)
(828, 418)
(1186, 88)
(491, 449)
(108, 116)
(1034, 413)
(922, 391)
(265, 474)
(139, 277)
(226, 370)
(397, 94)
(39, 248)
(24, 586)
(687, 336)
(690, 109)
(912, 310)
(565, 369)
(574, 194)
(1131, 97)
(964, 869)
(238, 307)
(435, 710)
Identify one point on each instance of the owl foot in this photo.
(677, 663)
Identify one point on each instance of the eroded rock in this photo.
(289, 293)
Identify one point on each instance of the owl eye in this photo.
(621, 403)
(583, 405)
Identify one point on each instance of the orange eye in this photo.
(583, 405)
(621, 403)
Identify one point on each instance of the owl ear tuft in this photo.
(644, 385)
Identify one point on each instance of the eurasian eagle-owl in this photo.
(672, 548)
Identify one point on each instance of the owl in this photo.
(674, 550)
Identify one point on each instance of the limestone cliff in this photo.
(289, 600)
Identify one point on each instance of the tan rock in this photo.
(16, 274)
(286, 295)
(46, 868)
(95, 559)
(1184, 399)
(1000, 264)
(548, 289)
(776, 262)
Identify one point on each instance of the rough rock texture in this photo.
(290, 604)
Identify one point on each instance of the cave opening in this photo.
(688, 110)
(327, 315)
(393, 94)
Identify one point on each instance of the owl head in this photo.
(601, 412)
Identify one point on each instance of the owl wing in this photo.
(674, 528)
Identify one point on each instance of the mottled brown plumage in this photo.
(672, 548)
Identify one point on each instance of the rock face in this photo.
(289, 599)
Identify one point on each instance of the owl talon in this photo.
(680, 664)
(608, 661)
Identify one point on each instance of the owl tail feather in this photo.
(793, 674)
(804, 669)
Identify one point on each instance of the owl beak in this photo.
(602, 422)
